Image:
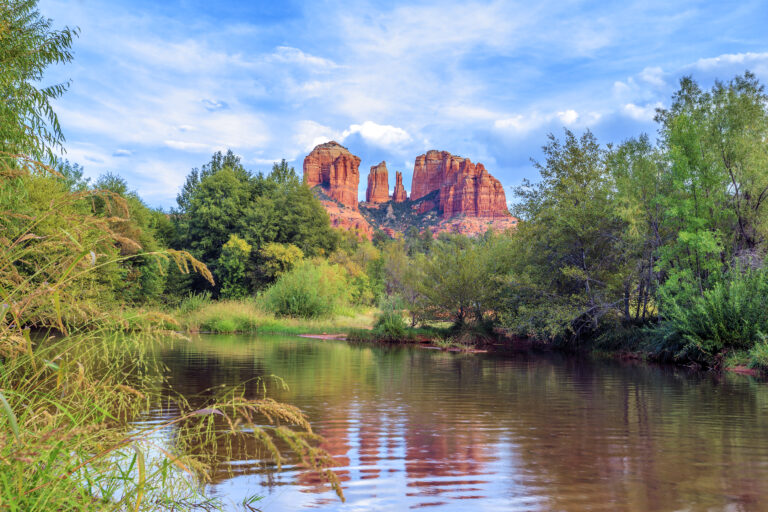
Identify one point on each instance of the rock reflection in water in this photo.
(411, 428)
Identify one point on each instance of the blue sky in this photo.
(157, 87)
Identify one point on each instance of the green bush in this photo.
(309, 290)
(194, 301)
(758, 357)
(390, 325)
(731, 315)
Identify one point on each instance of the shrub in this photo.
(758, 357)
(731, 315)
(309, 290)
(390, 325)
(194, 301)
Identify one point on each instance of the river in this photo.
(412, 428)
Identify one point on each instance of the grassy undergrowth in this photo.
(71, 389)
(248, 316)
(66, 436)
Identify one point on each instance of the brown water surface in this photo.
(422, 429)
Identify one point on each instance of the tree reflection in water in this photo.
(413, 428)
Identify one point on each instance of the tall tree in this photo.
(28, 45)
(572, 266)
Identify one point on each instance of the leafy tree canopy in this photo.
(28, 45)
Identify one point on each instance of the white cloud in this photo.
(308, 134)
(568, 117)
(213, 105)
(519, 123)
(730, 59)
(296, 56)
(522, 124)
(173, 118)
(641, 113)
(620, 88)
(465, 112)
(198, 147)
(653, 76)
(122, 153)
(188, 56)
(378, 134)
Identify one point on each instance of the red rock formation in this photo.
(465, 188)
(378, 184)
(424, 206)
(399, 195)
(349, 219)
(335, 169)
(427, 173)
(449, 193)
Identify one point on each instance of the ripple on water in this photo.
(419, 429)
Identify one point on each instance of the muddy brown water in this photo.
(422, 429)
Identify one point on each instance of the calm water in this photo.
(421, 429)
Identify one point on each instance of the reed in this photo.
(72, 381)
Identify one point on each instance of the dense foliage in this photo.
(671, 236)
(223, 199)
(28, 45)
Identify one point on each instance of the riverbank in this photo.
(371, 325)
(248, 316)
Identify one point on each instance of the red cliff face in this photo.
(449, 193)
(465, 188)
(427, 173)
(335, 169)
(378, 184)
(399, 195)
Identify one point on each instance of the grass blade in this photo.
(9, 414)
(142, 479)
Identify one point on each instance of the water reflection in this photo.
(414, 428)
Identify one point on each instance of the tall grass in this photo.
(70, 389)
(250, 315)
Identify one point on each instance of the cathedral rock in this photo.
(464, 188)
(378, 184)
(335, 170)
(448, 193)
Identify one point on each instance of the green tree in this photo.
(572, 267)
(232, 268)
(224, 199)
(28, 45)
(404, 276)
(138, 230)
(277, 259)
(640, 181)
(461, 278)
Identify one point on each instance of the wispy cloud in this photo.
(742, 59)
(168, 84)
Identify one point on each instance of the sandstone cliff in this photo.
(399, 194)
(335, 169)
(378, 184)
(448, 193)
(465, 188)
